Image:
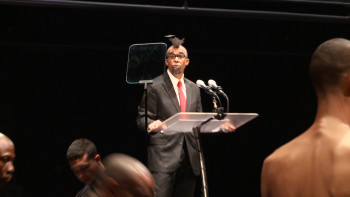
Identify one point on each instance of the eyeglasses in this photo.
(173, 56)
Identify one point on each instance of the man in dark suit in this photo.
(173, 159)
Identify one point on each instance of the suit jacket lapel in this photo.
(188, 95)
(169, 88)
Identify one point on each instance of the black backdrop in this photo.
(63, 77)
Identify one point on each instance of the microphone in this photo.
(212, 84)
(207, 89)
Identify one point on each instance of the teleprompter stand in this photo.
(145, 62)
(203, 123)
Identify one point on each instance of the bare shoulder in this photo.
(342, 151)
(344, 142)
(278, 166)
(283, 156)
(270, 169)
(277, 158)
(283, 151)
(341, 168)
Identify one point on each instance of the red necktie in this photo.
(182, 97)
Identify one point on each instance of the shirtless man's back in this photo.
(317, 163)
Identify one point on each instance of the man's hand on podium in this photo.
(228, 127)
(154, 126)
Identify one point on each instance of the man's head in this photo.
(177, 58)
(7, 155)
(84, 160)
(330, 67)
(124, 176)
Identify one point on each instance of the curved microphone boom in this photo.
(208, 90)
(202, 85)
(212, 84)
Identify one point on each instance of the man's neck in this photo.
(177, 76)
(335, 106)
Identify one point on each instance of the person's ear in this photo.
(187, 61)
(98, 158)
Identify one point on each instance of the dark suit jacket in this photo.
(164, 150)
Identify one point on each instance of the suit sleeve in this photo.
(199, 105)
(198, 95)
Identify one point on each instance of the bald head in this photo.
(132, 178)
(329, 64)
(5, 140)
(7, 155)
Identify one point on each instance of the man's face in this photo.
(85, 169)
(177, 61)
(7, 155)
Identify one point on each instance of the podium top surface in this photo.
(185, 121)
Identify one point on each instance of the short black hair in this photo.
(80, 147)
(329, 61)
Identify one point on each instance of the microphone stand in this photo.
(196, 130)
(145, 82)
(219, 110)
(219, 89)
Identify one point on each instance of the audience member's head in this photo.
(7, 155)
(330, 65)
(84, 160)
(124, 176)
